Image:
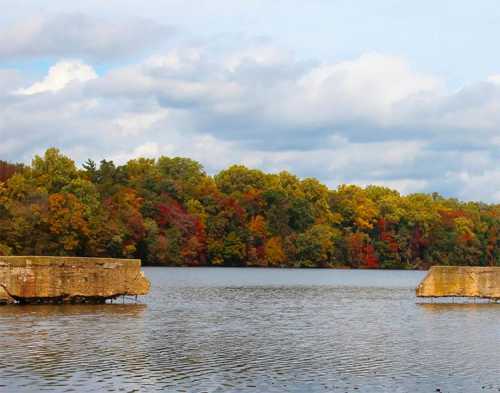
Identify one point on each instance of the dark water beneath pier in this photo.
(251, 330)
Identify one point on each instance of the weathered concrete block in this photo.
(461, 281)
(30, 279)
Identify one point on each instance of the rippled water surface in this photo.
(251, 330)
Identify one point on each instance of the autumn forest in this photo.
(168, 211)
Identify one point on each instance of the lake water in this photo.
(256, 330)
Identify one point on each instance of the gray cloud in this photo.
(77, 34)
(368, 120)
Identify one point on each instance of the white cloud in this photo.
(261, 55)
(404, 186)
(370, 85)
(478, 186)
(177, 60)
(149, 149)
(494, 79)
(131, 123)
(60, 75)
(370, 120)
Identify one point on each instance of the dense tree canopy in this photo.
(168, 211)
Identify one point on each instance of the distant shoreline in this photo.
(285, 268)
(168, 211)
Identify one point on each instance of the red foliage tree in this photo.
(7, 170)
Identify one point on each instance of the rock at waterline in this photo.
(461, 281)
(34, 279)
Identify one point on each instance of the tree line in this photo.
(169, 211)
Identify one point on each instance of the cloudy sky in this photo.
(402, 94)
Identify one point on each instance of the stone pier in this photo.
(33, 279)
(461, 281)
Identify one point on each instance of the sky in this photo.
(400, 94)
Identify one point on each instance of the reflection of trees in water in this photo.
(58, 343)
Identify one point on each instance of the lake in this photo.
(255, 330)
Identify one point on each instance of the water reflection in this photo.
(55, 346)
(325, 331)
(50, 310)
(460, 307)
